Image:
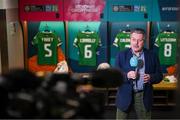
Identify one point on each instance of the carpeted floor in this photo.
(157, 113)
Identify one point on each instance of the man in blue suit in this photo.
(141, 69)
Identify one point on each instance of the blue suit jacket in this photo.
(125, 91)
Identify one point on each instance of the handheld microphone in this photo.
(134, 62)
(138, 64)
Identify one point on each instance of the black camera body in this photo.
(55, 95)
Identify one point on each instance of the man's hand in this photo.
(146, 78)
(132, 75)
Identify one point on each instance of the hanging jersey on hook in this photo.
(122, 40)
(167, 43)
(47, 43)
(87, 43)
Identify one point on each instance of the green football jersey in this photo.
(87, 43)
(122, 40)
(167, 43)
(47, 43)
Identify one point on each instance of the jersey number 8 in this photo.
(167, 50)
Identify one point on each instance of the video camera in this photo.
(56, 95)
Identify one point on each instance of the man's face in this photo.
(137, 42)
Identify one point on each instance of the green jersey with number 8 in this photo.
(167, 43)
(87, 43)
(47, 43)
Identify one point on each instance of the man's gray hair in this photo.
(138, 31)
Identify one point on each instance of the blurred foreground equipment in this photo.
(18, 86)
(55, 96)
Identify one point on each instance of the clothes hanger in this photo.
(46, 28)
(127, 29)
(168, 30)
(87, 29)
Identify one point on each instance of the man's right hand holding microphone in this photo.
(133, 75)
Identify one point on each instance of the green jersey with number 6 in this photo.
(167, 43)
(47, 43)
(122, 40)
(87, 43)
